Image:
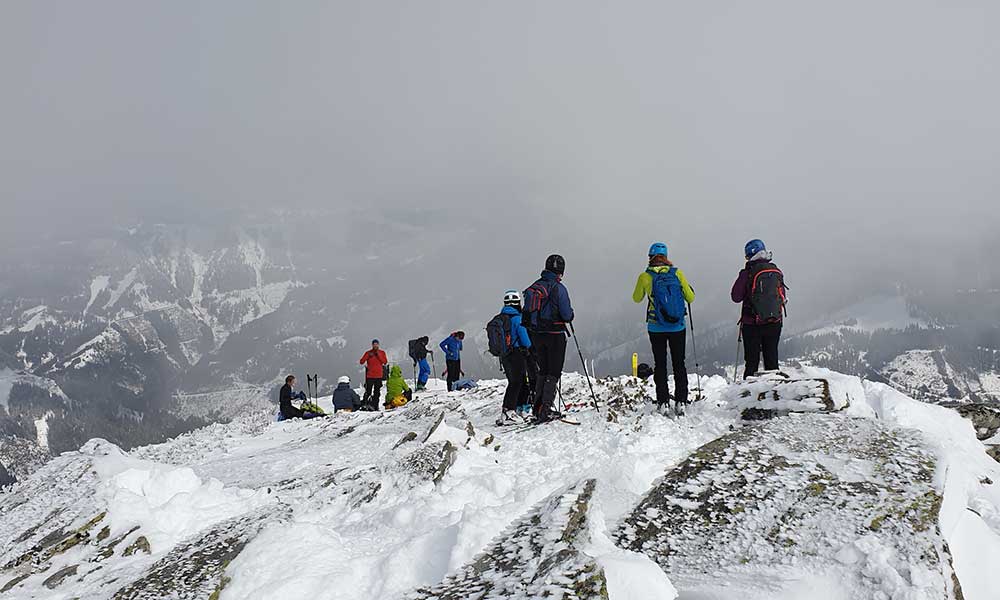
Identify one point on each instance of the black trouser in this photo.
(373, 391)
(659, 342)
(757, 340)
(515, 367)
(454, 372)
(550, 353)
(527, 395)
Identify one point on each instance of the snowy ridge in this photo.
(879, 312)
(437, 496)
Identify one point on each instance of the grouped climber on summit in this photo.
(376, 363)
(509, 341)
(546, 311)
(529, 337)
(761, 288)
(397, 392)
(417, 349)
(286, 409)
(667, 292)
(344, 397)
(452, 348)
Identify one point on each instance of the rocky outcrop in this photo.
(196, 569)
(776, 394)
(537, 557)
(985, 418)
(800, 497)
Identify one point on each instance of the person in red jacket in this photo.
(375, 362)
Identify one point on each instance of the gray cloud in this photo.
(858, 139)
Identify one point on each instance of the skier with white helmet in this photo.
(345, 398)
(515, 361)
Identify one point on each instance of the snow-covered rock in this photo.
(433, 499)
(774, 509)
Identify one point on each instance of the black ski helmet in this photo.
(556, 264)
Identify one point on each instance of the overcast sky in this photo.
(851, 133)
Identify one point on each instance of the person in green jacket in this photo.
(397, 392)
(665, 324)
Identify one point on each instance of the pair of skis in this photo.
(514, 427)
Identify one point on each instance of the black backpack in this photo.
(767, 288)
(412, 350)
(498, 334)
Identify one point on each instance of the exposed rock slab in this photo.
(195, 569)
(798, 498)
(776, 394)
(537, 557)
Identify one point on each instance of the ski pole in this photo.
(739, 342)
(561, 401)
(694, 347)
(584, 363)
(433, 368)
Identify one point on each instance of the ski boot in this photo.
(508, 418)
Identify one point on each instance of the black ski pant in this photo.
(757, 340)
(373, 391)
(454, 372)
(515, 367)
(527, 396)
(550, 352)
(675, 342)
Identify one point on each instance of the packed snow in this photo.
(377, 505)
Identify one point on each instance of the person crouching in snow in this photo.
(287, 410)
(397, 393)
(345, 399)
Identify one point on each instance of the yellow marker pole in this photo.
(635, 364)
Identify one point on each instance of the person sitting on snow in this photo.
(287, 410)
(345, 399)
(397, 393)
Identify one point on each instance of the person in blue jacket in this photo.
(515, 363)
(547, 326)
(452, 348)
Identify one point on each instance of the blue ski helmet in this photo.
(658, 249)
(753, 247)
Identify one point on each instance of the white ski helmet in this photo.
(512, 298)
(344, 379)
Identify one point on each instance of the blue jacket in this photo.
(518, 334)
(345, 397)
(452, 347)
(558, 309)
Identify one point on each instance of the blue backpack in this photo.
(668, 306)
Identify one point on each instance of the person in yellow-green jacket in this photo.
(667, 293)
(397, 393)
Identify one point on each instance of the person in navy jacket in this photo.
(547, 327)
(452, 348)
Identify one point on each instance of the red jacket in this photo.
(374, 361)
